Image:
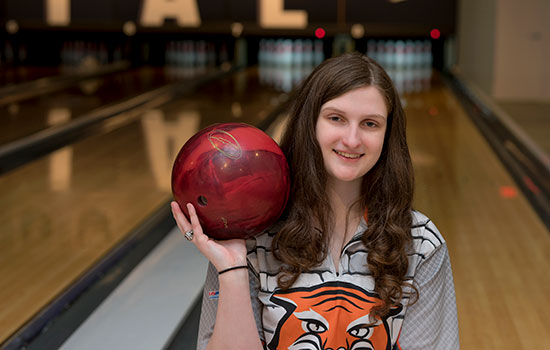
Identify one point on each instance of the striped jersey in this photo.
(328, 307)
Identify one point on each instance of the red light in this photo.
(435, 33)
(320, 33)
(531, 185)
(508, 192)
(433, 111)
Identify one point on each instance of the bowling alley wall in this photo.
(161, 32)
(503, 43)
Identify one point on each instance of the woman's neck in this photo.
(342, 195)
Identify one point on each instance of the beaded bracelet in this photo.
(233, 268)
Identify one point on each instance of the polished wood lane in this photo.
(32, 115)
(500, 250)
(534, 119)
(24, 74)
(63, 212)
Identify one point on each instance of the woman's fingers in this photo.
(181, 220)
(185, 224)
(222, 254)
(195, 224)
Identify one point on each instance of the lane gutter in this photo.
(18, 92)
(530, 171)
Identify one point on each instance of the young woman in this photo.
(350, 265)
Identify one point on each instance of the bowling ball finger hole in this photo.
(202, 201)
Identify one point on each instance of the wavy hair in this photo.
(386, 190)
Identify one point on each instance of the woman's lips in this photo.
(348, 155)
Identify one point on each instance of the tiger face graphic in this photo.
(331, 316)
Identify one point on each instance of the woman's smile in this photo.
(349, 156)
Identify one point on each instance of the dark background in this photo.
(111, 13)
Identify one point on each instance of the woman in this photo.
(350, 265)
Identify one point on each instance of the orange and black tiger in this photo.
(331, 316)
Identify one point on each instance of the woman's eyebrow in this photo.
(330, 108)
(334, 109)
(379, 116)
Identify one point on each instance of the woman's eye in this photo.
(371, 124)
(334, 118)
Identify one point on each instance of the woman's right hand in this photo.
(222, 254)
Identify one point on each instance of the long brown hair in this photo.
(386, 191)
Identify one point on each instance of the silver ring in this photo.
(189, 235)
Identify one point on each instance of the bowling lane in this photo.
(500, 249)
(18, 75)
(32, 115)
(63, 212)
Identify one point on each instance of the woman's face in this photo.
(350, 130)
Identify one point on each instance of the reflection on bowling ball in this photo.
(237, 178)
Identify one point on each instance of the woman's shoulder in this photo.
(426, 236)
(264, 239)
(259, 251)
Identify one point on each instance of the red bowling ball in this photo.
(237, 178)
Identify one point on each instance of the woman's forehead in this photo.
(366, 100)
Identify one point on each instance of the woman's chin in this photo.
(346, 178)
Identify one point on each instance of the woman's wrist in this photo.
(238, 276)
(232, 268)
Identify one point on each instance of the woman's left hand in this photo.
(222, 254)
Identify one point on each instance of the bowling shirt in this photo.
(328, 308)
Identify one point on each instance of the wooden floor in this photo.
(63, 212)
(534, 119)
(500, 250)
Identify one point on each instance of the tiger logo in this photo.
(331, 316)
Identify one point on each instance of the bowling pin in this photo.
(411, 82)
(309, 52)
(381, 52)
(103, 54)
(418, 48)
(371, 49)
(297, 53)
(262, 52)
(409, 54)
(389, 49)
(211, 55)
(278, 52)
(181, 56)
(427, 54)
(319, 54)
(224, 56)
(399, 57)
(285, 78)
(399, 79)
(287, 53)
(200, 48)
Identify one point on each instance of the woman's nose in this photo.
(351, 138)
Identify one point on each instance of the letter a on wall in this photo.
(58, 12)
(185, 12)
(273, 15)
